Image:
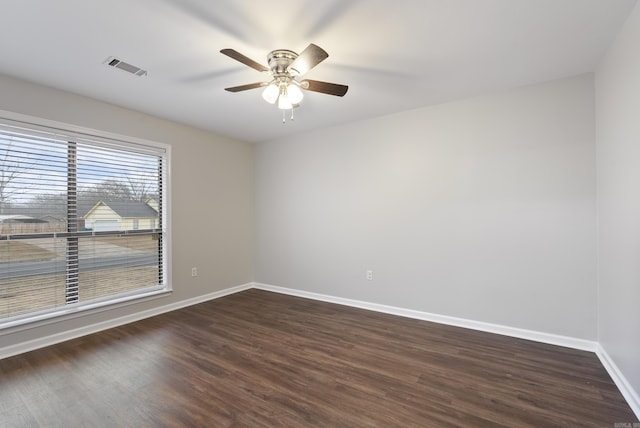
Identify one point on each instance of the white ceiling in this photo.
(394, 55)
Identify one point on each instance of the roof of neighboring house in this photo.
(47, 213)
(125, 209)
(18, 218)
(31, 213)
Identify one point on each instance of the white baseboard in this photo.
(553, 339)
(42, 342)
(620, 380)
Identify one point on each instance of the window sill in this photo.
(78, 311)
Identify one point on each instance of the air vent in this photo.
(116, 63)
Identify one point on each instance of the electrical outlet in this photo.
(369, 275)
(194, 271)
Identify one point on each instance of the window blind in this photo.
(81, 220)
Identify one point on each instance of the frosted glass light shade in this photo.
(295, 94)
(284, 103)
(270, 93)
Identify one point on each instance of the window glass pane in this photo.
(116, 189)
(117, 264)
(33, 185)
(32, 275)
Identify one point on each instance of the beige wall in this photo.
(618, 154)
(482, 209)
(211, 188)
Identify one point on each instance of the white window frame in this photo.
(38, 319)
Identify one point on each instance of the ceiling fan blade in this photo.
(231, 53)
(324, 87)
(309, 58)
(246, 87)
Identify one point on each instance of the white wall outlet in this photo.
(369, 275)
(194, 271)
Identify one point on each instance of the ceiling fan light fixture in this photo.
(286, 68)
(271, 93)
(284, 102)
(294, 93)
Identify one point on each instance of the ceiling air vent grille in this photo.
(117, 63)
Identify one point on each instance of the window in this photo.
(82, 221)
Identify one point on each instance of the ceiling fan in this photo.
(286, 69)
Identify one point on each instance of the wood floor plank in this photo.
(260, 359)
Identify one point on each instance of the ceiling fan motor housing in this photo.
(279, 62)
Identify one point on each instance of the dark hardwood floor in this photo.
(259, 359)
